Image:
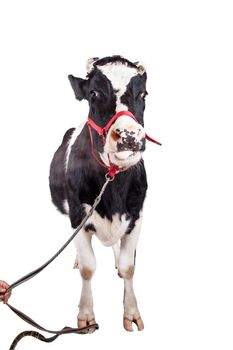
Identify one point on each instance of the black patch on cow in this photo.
(128, 143)
(90, 227)
(133, 97)
(114, 59)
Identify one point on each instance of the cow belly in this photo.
(108, 232)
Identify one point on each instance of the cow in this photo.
(114, 86)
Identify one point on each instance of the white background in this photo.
(183, 279)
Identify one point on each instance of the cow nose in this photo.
(128, 137)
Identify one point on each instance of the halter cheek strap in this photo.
(112, 168)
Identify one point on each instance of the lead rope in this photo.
(66, 330)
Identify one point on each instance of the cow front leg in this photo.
(87, 266)
(116, 251)
(126, 271)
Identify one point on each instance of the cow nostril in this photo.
(115, 135)
(118, 131)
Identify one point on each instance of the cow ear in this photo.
(141, 67)
(90, 63)
(79, 86)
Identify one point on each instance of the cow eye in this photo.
(93, 93)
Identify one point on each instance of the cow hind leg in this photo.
(126, 271)
(87, 265)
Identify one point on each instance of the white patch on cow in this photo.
(85, 260)
(127, 262)
(85, 254)
(126, 163)
(108, 232)
(71, 141)
(123, 155)
(66, 206)
(117, 158)
(128, 246)
(119, 75)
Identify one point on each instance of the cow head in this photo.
(115, 84)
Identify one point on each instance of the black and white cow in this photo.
(113, 85)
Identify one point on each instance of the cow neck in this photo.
(112, 168)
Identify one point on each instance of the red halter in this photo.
(103, 131)
(113, 169)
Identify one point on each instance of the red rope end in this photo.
(153, 140)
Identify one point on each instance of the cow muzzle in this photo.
(126, 135)
(124, 140)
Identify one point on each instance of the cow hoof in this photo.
(85, 323)
(128, 324)
(119, 274)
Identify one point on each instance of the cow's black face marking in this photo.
(134, 96)
(103, 103)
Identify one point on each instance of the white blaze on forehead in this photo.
(119, 75)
